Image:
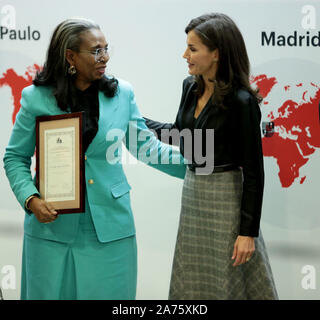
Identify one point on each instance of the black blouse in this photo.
(88, 102)
(237, 140)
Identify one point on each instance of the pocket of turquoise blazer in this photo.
(120, 189)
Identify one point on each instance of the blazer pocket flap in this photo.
(120, 189)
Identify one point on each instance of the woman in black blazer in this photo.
(220, 252)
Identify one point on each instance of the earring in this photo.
(72, 70)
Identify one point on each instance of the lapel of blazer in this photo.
(107, 116)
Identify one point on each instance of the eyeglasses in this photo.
(98, 53)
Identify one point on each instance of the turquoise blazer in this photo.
(108, 195)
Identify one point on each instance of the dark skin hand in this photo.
(43, 210)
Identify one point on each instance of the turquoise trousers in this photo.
(84, 269)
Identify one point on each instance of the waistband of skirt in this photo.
(217, 169)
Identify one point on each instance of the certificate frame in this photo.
(60, 173)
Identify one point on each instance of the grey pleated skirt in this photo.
(208, 228)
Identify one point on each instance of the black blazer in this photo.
(237, 140)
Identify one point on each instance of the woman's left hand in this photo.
(243, 250)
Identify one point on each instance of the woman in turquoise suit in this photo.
(90, 255)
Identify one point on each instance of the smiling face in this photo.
(200, 59)
(88, 69)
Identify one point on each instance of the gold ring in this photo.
(247, 259)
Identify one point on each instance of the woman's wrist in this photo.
(27, 202)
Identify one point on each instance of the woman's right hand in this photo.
(43, 210)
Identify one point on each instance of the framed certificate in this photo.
(60, 162)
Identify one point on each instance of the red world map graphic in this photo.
(17, 83)
(299, 121)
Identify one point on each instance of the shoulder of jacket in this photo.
(188, 82)
(34, 92)
(36, 99)
(124, 86)
(243, 97)
(244, 102)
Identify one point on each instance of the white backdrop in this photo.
(148, 41)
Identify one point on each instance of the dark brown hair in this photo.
(218, 31)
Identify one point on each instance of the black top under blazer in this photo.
(237, 140)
